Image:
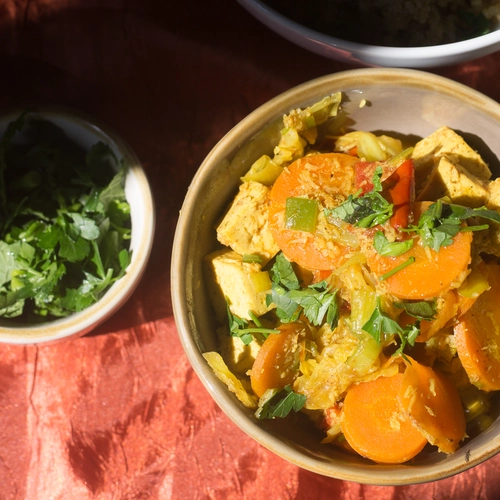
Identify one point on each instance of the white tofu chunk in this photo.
(229, 277)
(238, 356)
(494, 194)
(454, 181)
(245, 227)
(445, 142)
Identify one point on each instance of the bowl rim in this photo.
(378, 55)
(80, 323)
(404, 474)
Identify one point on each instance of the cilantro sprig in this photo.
(317, 302)
(390, 248)
(381, 326)
(240, 327)
(442, 221)
(368, 210)
(278, 403)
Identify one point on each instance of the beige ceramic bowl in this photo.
(408, 102)
(85, 131)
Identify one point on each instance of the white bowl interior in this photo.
(85, 132)
(408, 102)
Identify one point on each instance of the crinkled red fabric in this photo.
(119, 413)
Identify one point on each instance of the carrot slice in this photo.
(376, 426)
(431, 274)
(328, 178)
(276, 363)
(447, 308)
(478, 335)
(433, 403)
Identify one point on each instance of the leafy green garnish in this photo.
(317, 302)
(368, 210)
(442, 221)
(424, 309)
(250, 257)
(65, 224)
(278, 403)
(392, 272)
(380, 327)
(240, 327)
(390, 249)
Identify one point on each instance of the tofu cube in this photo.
(245, 227)
(445, 142)
(238, 356)
(229, 277)
(494, 194)
(454, 181)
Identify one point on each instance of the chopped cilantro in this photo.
(278, 403)
(401, 266)
(425, 309)
(250, 257)
(380, 326)
(64, 222)
(442, 221)
(240, 327)
(390, 249)
(317, 302)
(365, 211)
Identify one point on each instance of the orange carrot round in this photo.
(328, 178)
(447, 309)
(478, 335)
(276, 363)
(433, 403)
(376, 426)
(431, 273)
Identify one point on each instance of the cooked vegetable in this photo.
(301, 214)
(276, 365)
(402, 193)
(433, 404)
(381, 318)
(233, 383)
(478, 335)
(327, 179)
(279, 403)
(375, 424)
(65, 222)
(432, 272)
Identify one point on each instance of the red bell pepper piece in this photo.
(399, 187)
(402, 193)
(364, 171)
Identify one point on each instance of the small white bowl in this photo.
(398, 101)
(372, 55)
(85, 132)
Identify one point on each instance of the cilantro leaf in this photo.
(381, 327)
(442, 221)
(240, 327)
(368, 210)
(390, 249)
(278, 403)
(317, 302)
(282, 273)
(425, 309)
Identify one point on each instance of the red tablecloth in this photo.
(119, 413)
